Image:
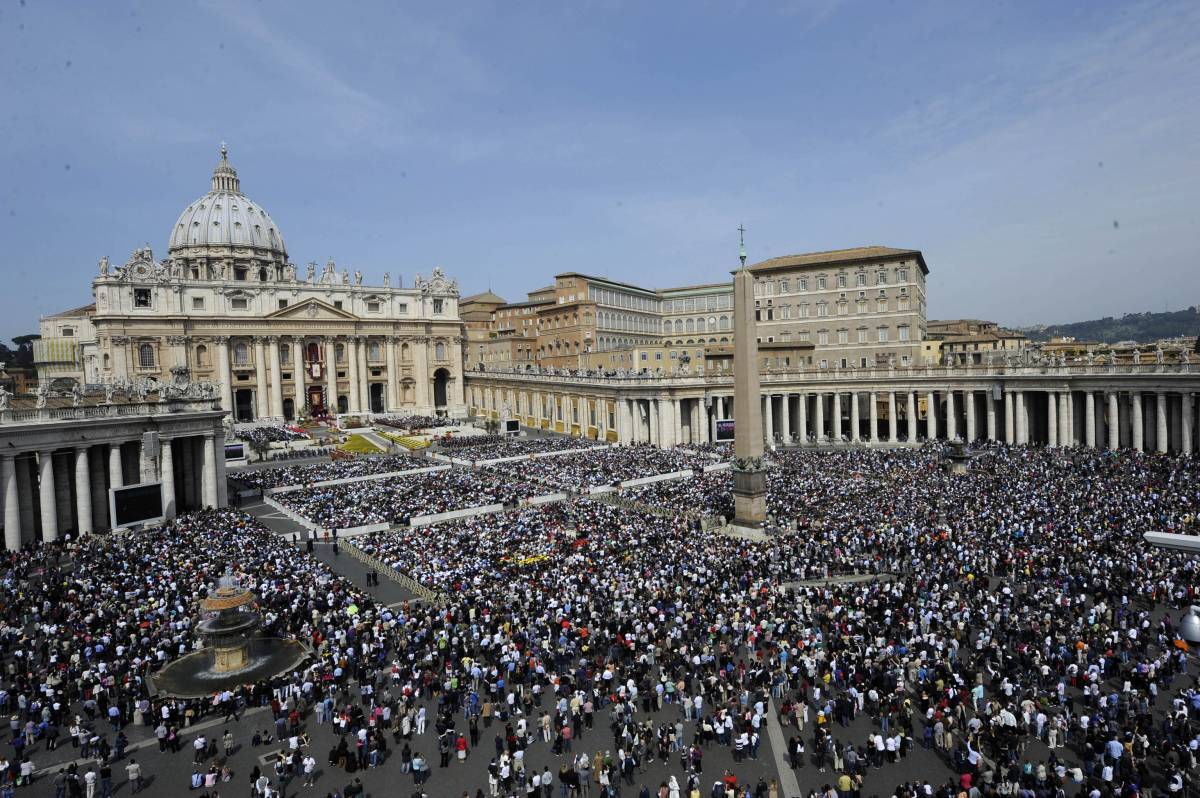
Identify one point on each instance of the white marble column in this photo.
(1064, 419)
(802, 418)
(1136, 421)
(1052, 419)
(209, 471)
(364, 376)
(893, 422)
(331, 394)
(1186, 426)
(276, 379)
(1089, 419)
(837, 417)
(25, 466)
(911, 421)
(423, 375)
(352, 346)
(222, 344)
(819, 413)
(931, 424)
(262, 407)
(12, 502)
(1161, 441)
(393, 381)
(969, 406)
(83, 491)
(167, 466)
(652, 409)
(989, 404)
(1010, 426)
(785, 418)
(1022, 418)
(1113, 420)
(873, 415)
(951, 417)
(854, 418)
(768, 420)
(115, 476)
(299, 366)
(46, 495)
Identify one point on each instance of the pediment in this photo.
(311, 310)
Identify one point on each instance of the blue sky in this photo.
(1042, 155)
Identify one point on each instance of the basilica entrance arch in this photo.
(441, 379)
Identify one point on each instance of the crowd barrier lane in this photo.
(725, 466)
(437, 518)
(348, 480)
(434, 597)
(633, 483)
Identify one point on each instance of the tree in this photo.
(23, 356)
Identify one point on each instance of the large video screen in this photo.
(235, 451)
(136, 504)
(512, 426)
(724, 429)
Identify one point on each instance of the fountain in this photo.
(233, 654)
(957, 457)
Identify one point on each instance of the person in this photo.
(310, 770)
(133, 771)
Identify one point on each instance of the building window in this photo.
(439, 351)
(146, 356)
(822, 309)
(784, 286)
(402, 308)
(821, 283)
(803, 283)
(860, 279)
(843, 336)
(823, 337)
(902, 275)
(843, 308)
(285, 354)
(373, 307)
(337, 303)
(241, 354)
(238, 303)
(881, 279)
(202, 355)
(902, 303)
(339, 353)
(141, 297)
(283, 303)
(374, 352)
(881, 305)
(841, 281)
(805, 336)
(862, 335)
(903, 332)
(437, 306)
(883, 335)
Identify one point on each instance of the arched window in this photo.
(339, 353)
(202, 355)
(146, 356)
(285, 354)
(374, 353)
(107, 360)
(405, 353)
(439, 351)
(241, 354)
(691, 325)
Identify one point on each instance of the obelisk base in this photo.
(749, 497)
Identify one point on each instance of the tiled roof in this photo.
(836, 256)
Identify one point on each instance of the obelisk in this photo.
(749, 475)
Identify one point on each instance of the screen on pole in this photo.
(135, 504)
(724, 429)
(235, 451)
(512, 426)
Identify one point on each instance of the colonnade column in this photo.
(1022, 418)
(990, 405)
(261, 406)
(276, 378)
(12, 502)
(167, 464)
(931, 425)
(1136, 419)
(802, 418)
(969, 406)
(1113, 421)
(298, 367)
(837, 416)
(854, 424)
(819, 407)
(1185, 426)
(1052, 419)
(1010, 435)
(951, 417)
(768, 420)
(1161, 444)
(652, 410)
(46, 495)
(83, 491)
(910, 406)
(331, 404)
(786, 418)
(1089, 419)
(1064, 419)
(873, 414)
(209, 473)
(115, 478)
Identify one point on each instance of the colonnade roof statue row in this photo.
(228, 305)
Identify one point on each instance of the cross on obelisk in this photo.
(749, 475)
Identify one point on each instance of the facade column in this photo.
(1010, 433)
(931, 425)
(1136, 420)
(837, 416)
(1113, 421)
(785, 419)
(1186, 423)
(167, 464)
(769, 420)
(666, 423)
(623, 422)
(802, 418)
(422, 375)
(1161, 441)
(854, 421)
(893, 422)
(83, 491)
(331, 404)
(969, 406)
(115, 477)
(1052, 419)
(276, 378)
(873, 415)
(355, 400)
(393, 381)
(1064, 418)
(364, 376)
(819, 408)
(1089, 419)
(12, 502)
(298, 368)
(25, 465)
(911, 407)
(262, 407)
(652, 410)
(46, 496)
(209, 471)
(222, 344)
(990, 408)
(951, 417)
(1022, 418)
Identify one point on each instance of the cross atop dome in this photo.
(225, 176)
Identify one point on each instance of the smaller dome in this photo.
(226, 217)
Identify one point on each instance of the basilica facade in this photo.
(228, 306)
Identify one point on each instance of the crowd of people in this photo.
(415, 423)
(1019, 629)
(270, 434)
(323, 472)
(602, 466)
(487, 447)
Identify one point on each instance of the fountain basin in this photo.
(216, 668)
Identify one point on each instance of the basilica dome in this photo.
(225, 217)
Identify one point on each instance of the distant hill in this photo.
(1142, 327)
